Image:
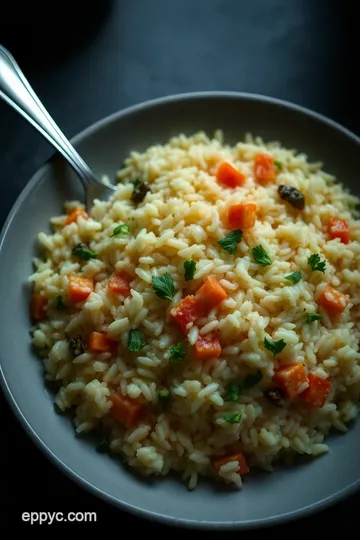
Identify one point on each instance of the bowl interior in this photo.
(265, 497)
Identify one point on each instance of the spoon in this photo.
(17, 92)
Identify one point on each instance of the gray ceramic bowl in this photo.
(265, 498)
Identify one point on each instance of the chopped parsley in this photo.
(123, 228)
(164, 286)
(316, 263)
(189, 270)
(311, 317)
(234, 390)
(230, 241)
(278, 164)
(135, 341)
(294, 277)
(59, 302)
(260, 256)
(177, 352)
(274, 346)
(233, 418)
(164, 396)
(83, 252)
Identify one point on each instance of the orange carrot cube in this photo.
(264, 168)
(333, 301)
(229, 176)
(125, 410)
(119, 283)
(242, 216)
(185, 312)
(239, 457)
(210, 294)
(79, 288)
(75, 214)
(317, 392)
(292, 379)
(207, 347)
(339, 228)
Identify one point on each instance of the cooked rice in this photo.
(181, 219)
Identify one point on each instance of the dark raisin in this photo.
(275, 396)
(139, 192)
(293, 196)
(76, 346)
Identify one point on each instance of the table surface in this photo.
(87, 65)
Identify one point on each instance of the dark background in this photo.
(87, 62)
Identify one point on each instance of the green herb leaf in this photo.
(59, 302)
(252, 380)
(177, 352)
(123, 228)
(260, 256)
(311, 317)
(230, 241)
(274, 346)
(233, 418)
(315, 263)
(136, 182)
(278, 164)
(233, 392)
(190, 269)
(294, 278)
(135, 341)
(83, 252)
(164, 396)
(164, 286)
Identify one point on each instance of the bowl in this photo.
(266, 498)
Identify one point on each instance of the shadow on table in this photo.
(35, 35)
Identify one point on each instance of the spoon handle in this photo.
(17, 92)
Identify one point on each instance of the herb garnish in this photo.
(164, 286)
(315, 263)
(294, 277)
(135, 341)
(189, 270)
(274, 346)
(230, 241)
(260, 256)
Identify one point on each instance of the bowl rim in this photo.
(82, 482)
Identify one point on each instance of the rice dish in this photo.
(206, 319)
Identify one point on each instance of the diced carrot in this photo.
(229, 176)
(125, 410)
(210, 294)
(291, 379)
(333, 301)
(100, 342)
(207, 346)
(119, 283)
(79, 288)
(37, 307)
(317, 392)
(239, 457)
(264, 168)
(185, 312)
(75, 214)
(242, 216)
(339, 228)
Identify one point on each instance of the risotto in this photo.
(206, 319)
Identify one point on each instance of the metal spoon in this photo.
(17, 92)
